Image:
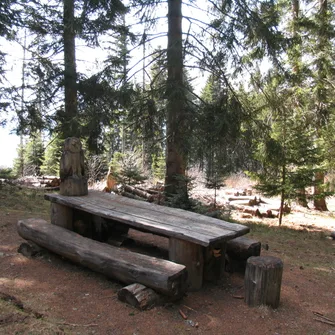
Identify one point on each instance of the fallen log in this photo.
(257, 211)
(161, 275)
(138, 192)
(138, 296)
(247, 198)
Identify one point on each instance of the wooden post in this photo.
(61, 216)
(72, 169)
(262, 281)
(192, 256)
(215, 262)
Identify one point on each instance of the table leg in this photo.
(215, 262)
(192, 256)
(61, 216)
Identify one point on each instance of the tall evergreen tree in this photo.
(176, 157)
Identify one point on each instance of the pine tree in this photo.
(53, 152)
(287, 151)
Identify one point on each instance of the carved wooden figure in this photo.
(72, 169)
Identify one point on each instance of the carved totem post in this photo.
(72, 169)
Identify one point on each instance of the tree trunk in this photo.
(70, 126)
(323, 45)
(319, 202)
(282, 196)
(176, 153)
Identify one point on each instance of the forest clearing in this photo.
(46, 294)
(149, 90)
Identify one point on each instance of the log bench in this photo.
(128, 267)
(239, 250)
(196, 241)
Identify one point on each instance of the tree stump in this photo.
(72, 169)
(262, 281)
(139, 296)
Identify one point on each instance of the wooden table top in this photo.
(156, 219)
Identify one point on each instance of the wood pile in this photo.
(254, 206)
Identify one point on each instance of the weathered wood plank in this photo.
(192, 256)
(164, 276)
(177, 212)
(169, 222)
(61, 215)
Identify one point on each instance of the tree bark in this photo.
(320, 201)
(262, 281)
(321, 93)
(138, 296)
(70, 126)
(176, 152)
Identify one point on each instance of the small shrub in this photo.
(6, 173)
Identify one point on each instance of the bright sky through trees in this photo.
(90, 60)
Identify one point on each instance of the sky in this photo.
(86, 58)
(8, 147)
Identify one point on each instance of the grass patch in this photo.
(307, 250)
(15, 198)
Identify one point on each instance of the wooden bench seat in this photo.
(126, 266)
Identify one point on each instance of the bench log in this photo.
(129, 267)
(239, 250)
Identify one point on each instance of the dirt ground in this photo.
(49, 295)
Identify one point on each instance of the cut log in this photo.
(138, 296)
(255, 211)
(240, 202)
(138, 192)
(29, 249)
(163, 276)
(262, 281)
(243, 247)
(239, 250)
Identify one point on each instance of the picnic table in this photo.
(196, 241)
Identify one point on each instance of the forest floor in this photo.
(49, 295)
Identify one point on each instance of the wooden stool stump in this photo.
(262, 281)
